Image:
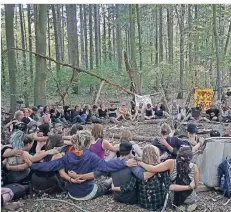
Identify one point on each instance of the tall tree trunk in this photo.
(104, 36)
(109, 34)
(85, 35)
(56, 35)
(170, 35)
(181, 25)
(227, 39)
(24, 26)
(73, 34)
(82, 36)
(218, 82)
(91, 38)
(59, 29)
(189, 39)
(30, 41)
(99, 33)
(161, 51)
(139, 35)
(9, 22)
(16, 34)
(132, 13)
(25, 94)
(97, 25)
(3, 85)
(113, 32)
(156, 40)
(49, 35)
(118, 39)
(195, 59)
(41, 68)
(63, 29)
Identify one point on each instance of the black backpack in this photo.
(224, 178)
(19, 190)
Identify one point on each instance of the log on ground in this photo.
(134, 138)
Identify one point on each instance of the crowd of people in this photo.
(41, 154)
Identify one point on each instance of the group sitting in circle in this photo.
(44, 156)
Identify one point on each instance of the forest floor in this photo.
(208, 201)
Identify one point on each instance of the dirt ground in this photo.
(208, 201)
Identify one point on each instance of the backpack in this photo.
(224, 177)
(18, 190)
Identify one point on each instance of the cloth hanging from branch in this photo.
(146, 99)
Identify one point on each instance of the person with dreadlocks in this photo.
(81, 160)
(184, 176)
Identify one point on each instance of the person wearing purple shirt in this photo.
(82, 161)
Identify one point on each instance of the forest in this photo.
(63, 53)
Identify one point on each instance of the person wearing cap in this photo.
(34, 114)
(194, 141)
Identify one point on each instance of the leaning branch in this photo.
(75, 68)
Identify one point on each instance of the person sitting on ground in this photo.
(112, 113)
(50, 181)
(40, 110)
(126, 136)
(95, 115)
(87, 111)
(99, 145)
(46, 112)
(77, 115)
(74, 129)
(226, 113)
(120, 177)
(12, 125)
(133, 111)
(184, 176)
(149, 113)
(82, 161)
(169, 146)
(34, 115)
(195, 114)
(213, 113)
(228, 93)
(176, 111)
(159, 114)
(123, 113)
(140, 112)
(151, 193)
(103, 112)
(18, 171)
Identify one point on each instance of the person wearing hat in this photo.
(34, 115)
(194, 141)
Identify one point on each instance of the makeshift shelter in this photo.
(209, 157)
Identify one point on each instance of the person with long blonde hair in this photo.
(126, 136)
(151, 193)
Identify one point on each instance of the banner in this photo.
(203, 97)
(146, 99)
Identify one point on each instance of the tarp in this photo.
(203, 97)
(146, 99)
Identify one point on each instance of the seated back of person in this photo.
(196, 112)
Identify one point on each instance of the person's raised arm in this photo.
(158, 168)
(166, 144)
